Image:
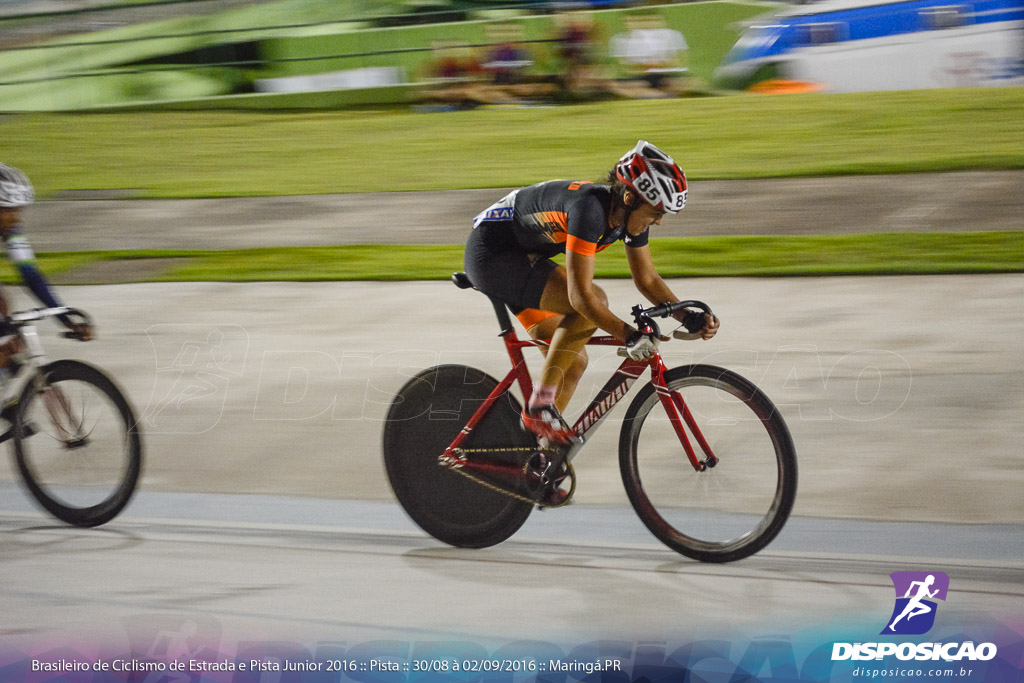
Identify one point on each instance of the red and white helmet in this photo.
(654, 176)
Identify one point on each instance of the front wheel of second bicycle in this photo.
(725, 512)
(425, 417)
(77, 443)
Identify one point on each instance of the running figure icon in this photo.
(915, 607)
(919, 590)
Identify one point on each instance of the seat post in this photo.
(462, 281)
(504, 320)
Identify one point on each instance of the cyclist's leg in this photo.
(10, 342)
(537, 291)
(566, 358)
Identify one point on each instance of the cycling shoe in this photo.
(547, 423)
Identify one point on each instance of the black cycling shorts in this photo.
(501, 271)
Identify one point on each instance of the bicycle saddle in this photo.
(462, 281)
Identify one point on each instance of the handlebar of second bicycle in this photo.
(20, 318)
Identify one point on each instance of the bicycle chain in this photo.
(510, 449)
(503, 491)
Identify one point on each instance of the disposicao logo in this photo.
(916, 592)
(913, 615)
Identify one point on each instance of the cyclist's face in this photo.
(644, 217)
(9, 217)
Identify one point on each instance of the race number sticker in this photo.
(650, 192)
(680, 201)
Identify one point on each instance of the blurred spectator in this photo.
(653, 57)
(577, 48)
(457, 79)
(454, 61)
(508, 63)
(454, 77)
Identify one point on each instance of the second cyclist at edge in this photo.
(508, 257)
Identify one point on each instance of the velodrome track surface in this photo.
(264, 513)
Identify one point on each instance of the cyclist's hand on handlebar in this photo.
(640, 346)
(699, 322)
(81, 331)
(711, 325)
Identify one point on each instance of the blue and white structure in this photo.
(858, 45)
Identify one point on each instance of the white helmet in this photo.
(15, 188)
(654, 176)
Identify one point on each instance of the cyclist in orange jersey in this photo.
(508, 257)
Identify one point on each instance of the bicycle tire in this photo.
(756, 455)
(424, 418)
(64, 480)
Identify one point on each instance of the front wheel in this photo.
(725, 512)
(77, 443)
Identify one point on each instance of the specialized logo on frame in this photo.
(915, 608)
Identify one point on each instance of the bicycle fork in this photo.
(678, 413)
(70, 427)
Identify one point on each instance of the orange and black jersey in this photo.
(554, 217)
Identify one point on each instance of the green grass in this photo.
(878, 254)
(203, 154)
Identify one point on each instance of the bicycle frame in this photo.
(609, 395)
(33, 355)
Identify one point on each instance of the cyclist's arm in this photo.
(652, 286)
(646, 277)
(580, 274)
(37, 284)
(24, 259)
(21, 255)
(584, 228)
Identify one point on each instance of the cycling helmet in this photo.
(654, 176)
(15, 188)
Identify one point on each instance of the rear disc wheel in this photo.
(425, 417)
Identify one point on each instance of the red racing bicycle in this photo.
(712, 475)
